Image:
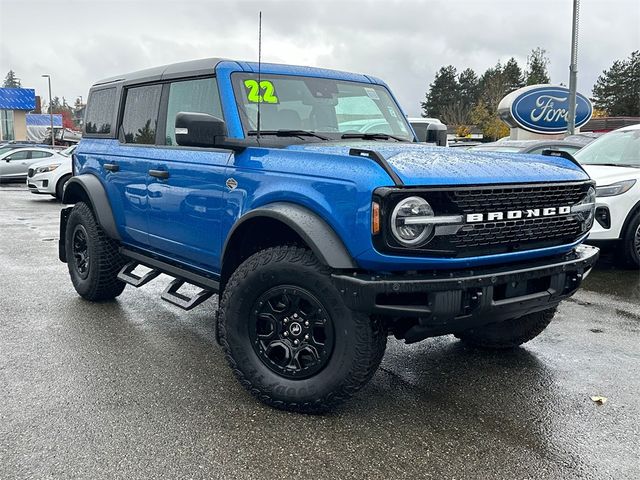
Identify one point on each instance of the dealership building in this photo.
(14, 105)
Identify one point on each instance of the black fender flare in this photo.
(84, 186)
(314, 231)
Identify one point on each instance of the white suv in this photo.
(51, 175)
(613, 161)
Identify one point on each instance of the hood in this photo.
(420, 164)
(606, 174)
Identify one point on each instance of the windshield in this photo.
(615, 148)
(326, 107)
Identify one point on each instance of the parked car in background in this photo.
(15, 162)
(429, 130)
(529, 146)
(51, 175)
(613, 161)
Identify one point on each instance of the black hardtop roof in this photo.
(203, 66)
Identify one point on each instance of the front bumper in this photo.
(451, 301)
(40, 184)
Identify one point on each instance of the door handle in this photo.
(112, 167)
(162, 174)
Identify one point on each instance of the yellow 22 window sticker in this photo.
(268, 91)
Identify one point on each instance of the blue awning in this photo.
(17, 99)
(43, 120)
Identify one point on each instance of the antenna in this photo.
(259, 68)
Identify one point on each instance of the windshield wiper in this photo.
(288, 133)
(373, 136)
(626, 165)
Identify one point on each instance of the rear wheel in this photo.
(288, 336)
(631, 243)
(93, 258)
(509, 333)
(60, 186)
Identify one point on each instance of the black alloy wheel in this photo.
(291, 332)
(80, 251)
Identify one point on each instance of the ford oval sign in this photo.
(543, 109)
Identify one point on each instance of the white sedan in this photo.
(613, 161)
(51, 175)
(15, 162)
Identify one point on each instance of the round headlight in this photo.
(408, 211)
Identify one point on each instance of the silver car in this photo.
(15, 162)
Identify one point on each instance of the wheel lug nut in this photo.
(306, 324)
(306, 337)
(286, 334)
(286, 320)
(295, 342)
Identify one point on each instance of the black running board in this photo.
(171, 294)
(185, 302)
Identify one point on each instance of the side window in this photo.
(38, 154)
(199, 96)
(21, 155)
(140, 118)
(100, 111)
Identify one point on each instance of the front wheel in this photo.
(60, 187)
(288, 336)
(509, 333)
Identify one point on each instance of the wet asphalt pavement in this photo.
(137, 388)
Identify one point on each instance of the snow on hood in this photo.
(420, 164)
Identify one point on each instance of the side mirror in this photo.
(199, 130)
(7, 159)
(437, 133)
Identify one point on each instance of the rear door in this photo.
(186, 184)
(128, 163)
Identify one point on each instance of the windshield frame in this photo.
(236, 84)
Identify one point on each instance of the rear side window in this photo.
(198, 96)
(140, 119)
(38, 154)
(100, 111)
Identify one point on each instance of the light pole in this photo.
(53, 141)
(573, 69)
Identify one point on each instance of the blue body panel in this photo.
(189, 216)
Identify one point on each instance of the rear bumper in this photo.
(450, 301)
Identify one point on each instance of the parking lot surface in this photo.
(137, 388)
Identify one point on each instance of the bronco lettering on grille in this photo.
(517, 214)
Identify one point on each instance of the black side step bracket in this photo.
(185, 302)
(126, 275)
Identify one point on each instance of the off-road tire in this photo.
(359, 341)
(60, 187)
(509, 333)
(630, 253)
(101, 282)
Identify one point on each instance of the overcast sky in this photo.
(402, 42)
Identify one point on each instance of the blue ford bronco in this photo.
(300, 196)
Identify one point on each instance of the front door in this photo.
(186, 184)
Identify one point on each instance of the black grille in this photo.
(517, 233)
(515, 198)
(492, 237)
(30, 172)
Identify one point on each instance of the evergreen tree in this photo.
(617, 90)
(11, 81)
(442, 92)
(537, 64)
(469, 91)
(492, 87)
(513, 77)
